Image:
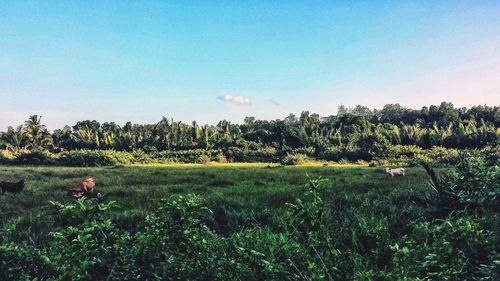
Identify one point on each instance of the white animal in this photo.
(393, 172)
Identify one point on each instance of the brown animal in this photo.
(14, 187)
(85, 187)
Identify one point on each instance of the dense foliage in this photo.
(353, 134)
(446, 231)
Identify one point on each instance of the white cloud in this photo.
(235, 100)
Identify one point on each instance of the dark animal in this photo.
(14, 187)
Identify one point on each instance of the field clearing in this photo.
(137, 189)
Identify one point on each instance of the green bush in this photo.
(267, 154)
(337, 153)
(443, 156)
(408, 151)
(203, 159)
(37, 157)
(252, 154)
(309, 151)
(141, 157)
(234, 154)
(295, 159)
(91, 245)
(184, 156)
(19, 261)
(412, 155)
(94, 158)
(455, 248)
(6, 157)
(174, 243)
(221, 158)
(372, 146)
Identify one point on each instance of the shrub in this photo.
(252, 153)
(336, 153)
(6, 157)
(344, 161)
(174, 243)
(456, 248)
(262, 254)
(361, 162)
(93, 158)
(412, 155)
(18, 261)
(267, 154)
(140, 156)
(408, 151)
(309, 151)
(234, 154)
(90, 246)
(372, 146)
(295, 159)
(203, 159)
(476, 182)
(37, 157)
(380, 163)
(221, 158)
(183, 156)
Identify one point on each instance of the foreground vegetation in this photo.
(255, 223)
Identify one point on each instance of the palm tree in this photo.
(84, 138)
(14, 139)
(36, 133)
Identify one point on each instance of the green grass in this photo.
(137, 189)
(240, 195)
(359, 224)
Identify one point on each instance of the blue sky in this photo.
(212, 60)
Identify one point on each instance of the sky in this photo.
(213, 60)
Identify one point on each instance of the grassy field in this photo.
(239, 194)
(137, 189)
(251, 222)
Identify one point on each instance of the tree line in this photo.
(352, 127)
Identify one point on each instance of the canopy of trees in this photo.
(370, 131)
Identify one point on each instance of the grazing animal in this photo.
(85, 187)
(14, 187)
(395, 172)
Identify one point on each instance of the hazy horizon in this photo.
(138, 61)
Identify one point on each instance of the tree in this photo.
(38, 137)
(392, 113)
(356, 127)
(63, 138)
(373, 145)
(14, 139)
(360, 110)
